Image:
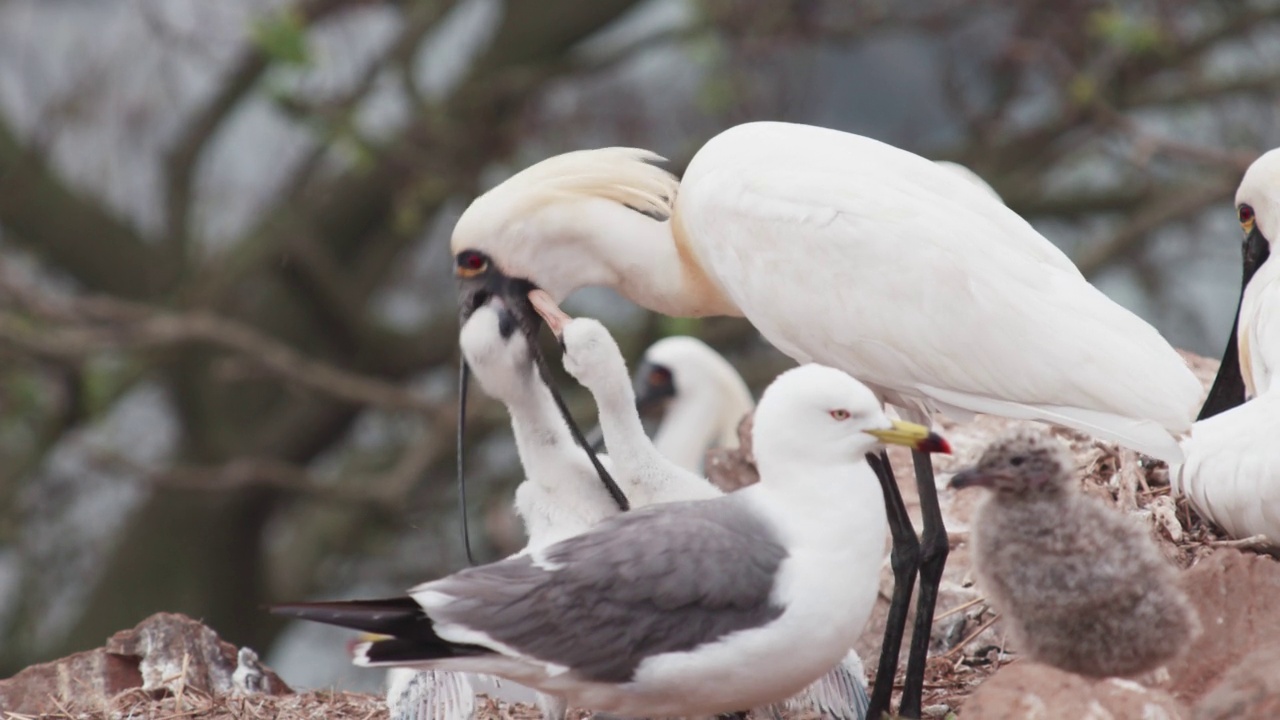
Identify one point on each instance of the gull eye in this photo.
(659, 377)
(840, 414)
(470, 263)
(1245, 214)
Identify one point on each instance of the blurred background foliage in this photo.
(227, 324)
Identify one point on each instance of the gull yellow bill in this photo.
(916, 437)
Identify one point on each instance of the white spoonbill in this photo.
(702, 396)
(1254, 332)
(845, 251)
(648, 477)
(680, 608)
(1232, 470)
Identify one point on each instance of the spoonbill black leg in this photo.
(933, 559)
(905, 561)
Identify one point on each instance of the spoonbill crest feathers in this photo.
(618, 174)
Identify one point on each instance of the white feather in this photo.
(710, 400)
(1232, 472)
(1259, 329)
(849, 252)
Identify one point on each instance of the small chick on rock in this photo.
(1081, 586)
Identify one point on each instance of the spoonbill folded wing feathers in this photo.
(925, 292)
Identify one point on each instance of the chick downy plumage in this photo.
(1081, 586)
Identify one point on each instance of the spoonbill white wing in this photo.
(907, 276)
(1232, 471)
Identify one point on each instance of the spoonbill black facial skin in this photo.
(655, 385)
(1258, 211)
(854, 254)
(1231, 475)
(703, 398)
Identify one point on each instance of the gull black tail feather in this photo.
(412, 636)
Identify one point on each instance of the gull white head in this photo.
(818, 415)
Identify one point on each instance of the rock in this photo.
(1249, 691)
(1039, 692)
(1234, 593)
(79, 679)
(166, 654)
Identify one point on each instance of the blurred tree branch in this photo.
(187, 149)
(43, 213)
(1149, 216)
(291, 296)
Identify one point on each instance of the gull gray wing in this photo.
(662, 579)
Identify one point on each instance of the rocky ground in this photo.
(171, 667)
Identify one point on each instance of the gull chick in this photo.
(1082, 587)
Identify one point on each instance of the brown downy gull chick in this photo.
(1082, 587)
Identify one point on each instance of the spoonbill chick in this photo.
(559, 498)
(680, 608)
(1082, 586)
(855, 254)
(593, 358)
(702, 395)
(561, 495)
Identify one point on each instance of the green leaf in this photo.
(103, 379)
(282, 37)
(1082, 90)
(1136, 35)
(678, 326)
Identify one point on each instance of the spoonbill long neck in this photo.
(687, 431)
(539, 432)
(698, 418)
(629, 447)
(648, 261)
